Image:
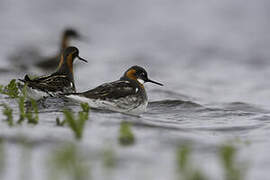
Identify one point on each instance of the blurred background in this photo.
(204, 46)
(212, 53)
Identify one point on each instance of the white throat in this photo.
(141, 81)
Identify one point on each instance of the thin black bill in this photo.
(82, 59)
(149, 80)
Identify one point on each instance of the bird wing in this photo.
(53, 83)
(113, 90)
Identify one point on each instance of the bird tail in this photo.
(26, 79)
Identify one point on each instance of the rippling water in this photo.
(212, 57)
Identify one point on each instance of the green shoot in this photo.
(35, 108)
(68, 163)
(183, 155)
(126, 136)
(7, 111)
(184, 166)
(109, 158)
(85, 108)
(231, 167)
(11, 89)
(20, 101)
(32, 119)
(75, 124)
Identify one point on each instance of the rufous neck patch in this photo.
(131, 75)
(70, 63)
(61, 61)
(64, 44)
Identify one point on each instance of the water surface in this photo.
(212, 57)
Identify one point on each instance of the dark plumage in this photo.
(124, 95)
(113, 90)
(51, 84)
(124, 87)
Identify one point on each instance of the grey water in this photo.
(211, 56)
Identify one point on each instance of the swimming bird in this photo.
(52, 62)
(126, 95)
(61, 81)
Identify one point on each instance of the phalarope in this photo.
(126, 95)
(62, 81)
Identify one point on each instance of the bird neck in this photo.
(130, 76)
(133, 81)
(64, 42)
(66, 66)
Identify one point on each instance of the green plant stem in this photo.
(126, 136)
(76, 124)
(7, 111)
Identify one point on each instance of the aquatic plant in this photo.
(184, 167)
(76, 124)
(232, 169)
(126, 136)
(69, 163)
(11, 89)
(21, 110)
(109, 158)
(7, 111)
(85, 108)
(22, 115)
(13, 92)
(32, 113)
(183, 155)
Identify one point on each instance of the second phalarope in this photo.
(62, 81)
(126, 95)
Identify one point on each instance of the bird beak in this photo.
(149, 80)
(82, 59)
